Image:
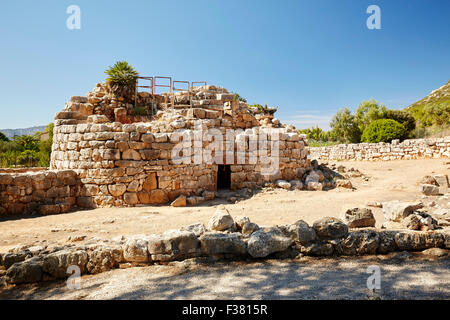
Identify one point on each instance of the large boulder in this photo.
(266, 241)
(104, 258)
(359, 243)
(12, 257)
(28, 271)
(215, 243)
(300, 231)
(397, 211)
(173, 245)
(317, 249)
(135, 250)
(359, 218)
(330, 228)
(414, 240)
(387, 241)
(57, 263)
(221, 220)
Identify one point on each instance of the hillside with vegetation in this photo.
(10, 133)
(26, 150)
(432, 113)
(374, 122)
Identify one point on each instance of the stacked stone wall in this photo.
(408, 149)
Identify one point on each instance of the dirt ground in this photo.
(402, 276)
(391, 180)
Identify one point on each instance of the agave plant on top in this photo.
(122, 79)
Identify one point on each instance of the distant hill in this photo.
(434, 109)
(19, 132)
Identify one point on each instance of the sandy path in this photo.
(388, 181)
(307, 278)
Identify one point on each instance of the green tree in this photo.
(384, 130)
(27, 142)
(403, 117)
(369, 111)
(3, 137)
(344, 128)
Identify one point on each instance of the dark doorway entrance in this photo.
(223, 177)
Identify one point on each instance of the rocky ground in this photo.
(373, 183)
(386, 181)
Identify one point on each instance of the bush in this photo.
(384, 130)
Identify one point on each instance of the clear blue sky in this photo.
(307, 57)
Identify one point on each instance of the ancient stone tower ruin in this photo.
(152, 148)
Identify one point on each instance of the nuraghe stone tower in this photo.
(186, 143)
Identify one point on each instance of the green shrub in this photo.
(3, 137)
(384, 130)
(403, 117)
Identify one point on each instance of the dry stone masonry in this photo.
(181, 149)
(408, 149)
(121, 162)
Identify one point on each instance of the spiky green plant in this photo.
(122, 73)
(122, 80)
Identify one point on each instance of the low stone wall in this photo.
(223, 238)
(43, 192)
(408, 149)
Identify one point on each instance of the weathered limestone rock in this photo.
(221, 220)
(429, 190)
(198, 229)
(359, 243)
(104, 258)
(179, 202)
(300, 231)
(135, 250)
(266, 241)
(173, 245)
(387, 241)
(330, 228)
(249, 227)
(215, 243)
(25, 272)
(397, 211)
(10, 258)
(413, 241)
(158, 196)
(117, 190)
(314, 186)
(283, 184)
(56, 263)
(130, 198)
(241, 221)
(420, 221)
(359, 218)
